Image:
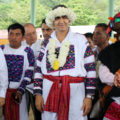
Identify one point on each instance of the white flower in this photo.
(63, 53)
(60, 11)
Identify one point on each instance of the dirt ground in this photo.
(31, 115)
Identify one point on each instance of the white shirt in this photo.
(35, 47)
(3, 75)
(107, 77)
(79, 56)
(20, 63)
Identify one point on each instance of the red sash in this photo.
(113, 112)
(11, 109)
(59, 97)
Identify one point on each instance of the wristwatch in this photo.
(89, 96)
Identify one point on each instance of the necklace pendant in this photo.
(56, 65)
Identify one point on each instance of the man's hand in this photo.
(17, 97)
(39, 103)
(117, 79)
(2, 101)
(87, 104)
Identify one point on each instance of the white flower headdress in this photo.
(58, 12)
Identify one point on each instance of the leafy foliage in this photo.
(86, 15)
(51, 3)
(88, 12)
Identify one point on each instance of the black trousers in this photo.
(30, 100)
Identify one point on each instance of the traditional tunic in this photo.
(3, 78)
(35, 47)
(30, 99)
(36, 50)
(110, 58)
(3, 75)
(79, 63)
(20, 63)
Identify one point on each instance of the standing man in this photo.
(20, 62)
(65, 74)
(31, 38)
(46, 30)
(109, 72)
(89, 37)
(100, 37)
(34, 44)
(101, 40)
(3, 81)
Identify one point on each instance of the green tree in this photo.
(4, 15)
(6, 1)
(52, 3)
(41, 12)
(88, 12)
(20, 12)
(14, 11)
(117, 6)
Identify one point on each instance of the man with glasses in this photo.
(31, 38)
(32, 42)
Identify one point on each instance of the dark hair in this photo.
(55, 7)
(43, 21)
(103, 25)
(89, 35)
(16, 26)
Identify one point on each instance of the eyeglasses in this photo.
(30, 34)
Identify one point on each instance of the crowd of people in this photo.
(63, 76)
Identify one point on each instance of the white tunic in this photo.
(3, 75)
(107, 77)
(79, 63)
(35, 47)
(20, 63)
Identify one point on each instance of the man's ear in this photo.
(53, 24)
